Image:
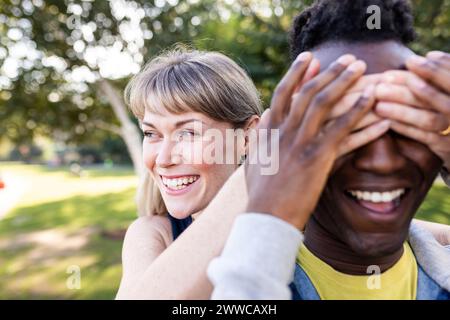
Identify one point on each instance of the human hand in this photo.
(307, 148)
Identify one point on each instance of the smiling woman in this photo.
(179, 97)
(186, 102)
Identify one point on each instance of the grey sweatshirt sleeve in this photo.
(258, 260)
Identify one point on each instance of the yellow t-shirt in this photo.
(397, 283)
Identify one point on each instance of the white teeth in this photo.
(377, 196)
(179, 183)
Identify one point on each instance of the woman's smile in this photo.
(178, 184)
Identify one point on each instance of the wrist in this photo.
(294, 219)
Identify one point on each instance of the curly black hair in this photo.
(346, 20)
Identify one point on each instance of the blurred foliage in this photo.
(40, 99)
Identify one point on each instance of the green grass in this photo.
(61, 221)
(436, 207)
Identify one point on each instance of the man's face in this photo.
(373, 193)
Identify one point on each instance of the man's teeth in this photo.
(377, 196)
(179, 183)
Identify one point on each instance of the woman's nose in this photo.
(167, 154)
(382, 156)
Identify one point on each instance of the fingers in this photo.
(420, 118)
(283, 93)
(428, 96)
(322, 100)
(397, 77)
(345, 124)
(397, 93)
(368, 120)
(303, 98)
(363, 137)
(441, 57)
(433, 98)
(344, 104)
(425, 137)
(364, 82)
(431, 70)
(313, 70)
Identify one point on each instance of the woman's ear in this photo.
(251, 124)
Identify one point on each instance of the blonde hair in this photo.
(183, 80)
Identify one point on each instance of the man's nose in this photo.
(382, 156)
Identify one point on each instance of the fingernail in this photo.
(381, 107)
(436, 54)
(384, 124)
(346, 59)
(303, 56)
(389, 77)
(357, 66)
(418, 60)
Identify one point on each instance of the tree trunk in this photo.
(128, 130)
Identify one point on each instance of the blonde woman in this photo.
(179, 98)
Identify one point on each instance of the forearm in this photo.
(180, 271)
(258, 260)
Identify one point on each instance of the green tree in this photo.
(56, 80)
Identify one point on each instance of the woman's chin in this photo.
(179, 215)
(182, 212)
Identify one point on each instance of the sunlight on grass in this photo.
(43, 184)
(60, 221)
(436, 207)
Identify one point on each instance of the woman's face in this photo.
(186, 154)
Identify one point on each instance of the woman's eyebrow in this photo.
(177, 124)
(183, 122)
(148, 124)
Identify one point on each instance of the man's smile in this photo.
(380, 202)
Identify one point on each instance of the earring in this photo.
(243, 158)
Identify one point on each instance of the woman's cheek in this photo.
(149, 156)
(192, 152)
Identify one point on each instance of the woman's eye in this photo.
(186, 134)
(150, 134)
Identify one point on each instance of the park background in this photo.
(69, 150)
